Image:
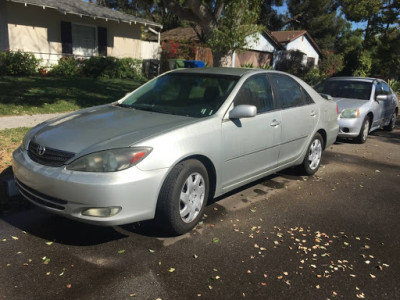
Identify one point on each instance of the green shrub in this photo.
(99, 67)
(68, 66)
(18, 63)
(395, 85)
(111, 67)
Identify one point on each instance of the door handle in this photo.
(275, 123)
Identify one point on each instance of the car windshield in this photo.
(192, 95)
(346, 89)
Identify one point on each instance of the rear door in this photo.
(299, 116)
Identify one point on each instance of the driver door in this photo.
(251, 145)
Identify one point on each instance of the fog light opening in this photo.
(102, 212)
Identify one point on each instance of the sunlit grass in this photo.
(37, 95)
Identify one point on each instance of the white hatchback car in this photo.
(365, 104)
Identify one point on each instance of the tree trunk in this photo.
(222, 59)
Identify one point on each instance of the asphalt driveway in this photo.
(335, 235)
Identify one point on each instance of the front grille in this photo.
(40, 198)
(51, 157)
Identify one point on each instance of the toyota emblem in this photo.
(41, 150)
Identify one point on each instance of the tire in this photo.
(312, 160)
(362, 137)
(183, 197)
(392, 122)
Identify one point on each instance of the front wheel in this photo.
(362, 137)
(183, 197)
(392, 122)
(312, 160)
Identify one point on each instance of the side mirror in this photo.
(382, 97)
(326, 96)
(243, 111)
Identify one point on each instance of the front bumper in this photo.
(69, 193)
(349, 128)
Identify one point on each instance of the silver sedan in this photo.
(163, 150)
(365, 104)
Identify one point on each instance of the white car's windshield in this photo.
(351, 89)
(193, 95)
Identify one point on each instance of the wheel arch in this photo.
(370, 115)
(211, 171)
(322, 132)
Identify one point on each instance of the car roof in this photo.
(218, 71)
(365, 79)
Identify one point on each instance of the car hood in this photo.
(104, 127)
(344, 103)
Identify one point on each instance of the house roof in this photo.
(189, 35)
(285, 37)
(180, 34)
(81, 8)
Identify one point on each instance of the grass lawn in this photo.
(38, 95)
(10, 139)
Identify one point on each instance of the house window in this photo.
(84, 40)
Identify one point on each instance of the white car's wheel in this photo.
(183, 197)
(312, 160)
(392, 123)
(362, 137)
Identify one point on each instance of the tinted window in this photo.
(193, 95)
(291, 94)
(256, 91)
(351, 89)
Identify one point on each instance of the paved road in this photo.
(335, 235)
(26, 120)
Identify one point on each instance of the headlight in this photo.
(110, 160)
(350, 113)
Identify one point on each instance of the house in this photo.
(53, 28)
(299, 40)
(259, 51)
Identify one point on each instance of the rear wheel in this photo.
(362, 137)
(392, 122)
(312, 160)
(183, 197)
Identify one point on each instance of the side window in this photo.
(256, 91)
(379, 89)
(386, 88)
(290, 93)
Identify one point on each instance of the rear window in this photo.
(346, 89)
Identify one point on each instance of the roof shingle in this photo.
(79, 7)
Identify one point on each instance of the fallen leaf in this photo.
(48, 273)
(210, 287)
(121, 251)
(317, 287)
(216, 240)
(253, 210)
(46, 261)
(49, 243)
(152, 251)
(171, 270)
(263, 283)
(14, 237)
(372, 275)
(195, 256)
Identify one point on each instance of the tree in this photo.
(269, 16)
(319, 17)
(222, 24)
(378, 14)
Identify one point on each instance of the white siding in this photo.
(303, 44)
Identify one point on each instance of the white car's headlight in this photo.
(110, 160)
(350, 113)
